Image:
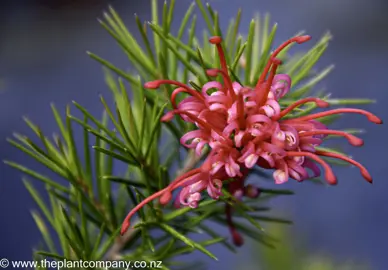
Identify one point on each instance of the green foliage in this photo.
(289, 255)
(86, 209)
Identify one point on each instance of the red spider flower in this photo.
(245, 127)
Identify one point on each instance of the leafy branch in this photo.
(89, 197)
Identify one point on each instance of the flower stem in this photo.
(114, 252)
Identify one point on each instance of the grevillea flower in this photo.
(245, 127)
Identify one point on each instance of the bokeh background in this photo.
(43, 60)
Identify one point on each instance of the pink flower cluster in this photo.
(244, 127)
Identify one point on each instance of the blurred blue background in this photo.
(43, 60)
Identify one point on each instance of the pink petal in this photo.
(270, 148)
(281, 85)
(199, 148)
(296, 171)
(236, 87)
(313, 167)
(232, 168)
(197, 186)
(230, 128)
(258, 118)
(210, 85)
(217, 98)
(268, 158)
(214, 188)
(278, 137)
(307, 148)
(280, 177)
(272, 108)
(217, 107)
(247, 150)
(193, 135)
(191, 105)
(299, 160)
(216, 167)
(194, 199)
(250, 104)
(232, 112)
(238, 138)
(183, 195)
(251, 160)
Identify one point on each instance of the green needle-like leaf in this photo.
(107, 244)
(44, 231)
(248, 56)
(38, 199)
(37, 176)
(186, 240)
